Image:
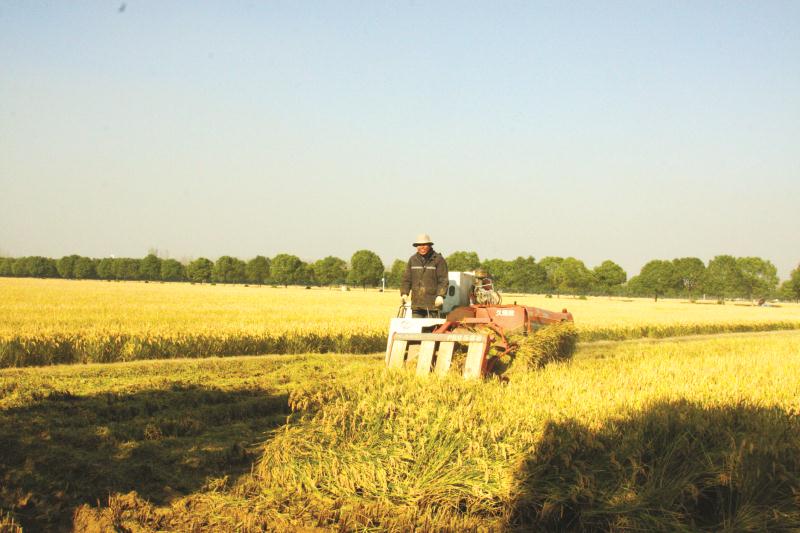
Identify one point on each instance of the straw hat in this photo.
(423, 238)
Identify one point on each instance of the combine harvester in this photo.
(473, 318)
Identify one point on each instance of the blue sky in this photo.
(602, 130)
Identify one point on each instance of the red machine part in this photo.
(508, 317)
(501, 320)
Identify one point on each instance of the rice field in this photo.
(67, 321)
(691, 434)
(634, 433)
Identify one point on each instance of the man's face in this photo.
(423, 249)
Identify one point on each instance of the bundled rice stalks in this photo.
(547, 345)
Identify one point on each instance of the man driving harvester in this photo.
(425, 279)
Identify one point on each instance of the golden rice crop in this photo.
(602, 318)
(685, 422)
(668, 436)
(73, 434)
(58, 321)
(66, 321)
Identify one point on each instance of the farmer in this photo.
(425, 279)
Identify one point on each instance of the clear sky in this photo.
(601, 130)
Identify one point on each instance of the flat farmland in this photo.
(638, 432)
(67, 321)
(644, 435)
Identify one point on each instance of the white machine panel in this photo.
(410, 325)
(460, 285)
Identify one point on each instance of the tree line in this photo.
(365, 268)
(723, 277)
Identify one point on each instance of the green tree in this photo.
(498, 271)
(200, 270)
(794, 282)
(463, 261)
(34, 267)
(609, 277)
(257, 270)
(43, 267)
(305, 274)
(395, 277)
(757, 277)
(19, 268)
(172, 270)
(228, 269)
(790, 289)
(366, 268)
(6, 266)
(689, 275)
(656, 278)
(84, 268)
(106, 268)
(150, 268)
(524, 274)
(723, 278)
(550, 265)
(330, 271)
(785, 291)
(66, 266)
(634, 287)
(128, 268)
(284, 269)
(572, 277)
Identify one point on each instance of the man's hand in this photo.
(406, 299)
(439, 301)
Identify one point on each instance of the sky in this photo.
(614, 130)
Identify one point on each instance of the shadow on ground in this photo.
(63, 450)
(677, 466)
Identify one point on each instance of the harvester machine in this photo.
(472, 320)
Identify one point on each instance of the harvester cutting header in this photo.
(443, 311)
